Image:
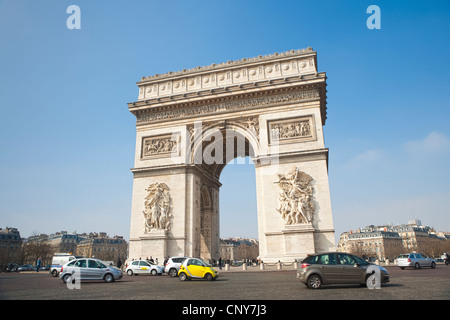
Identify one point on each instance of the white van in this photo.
(60, 259)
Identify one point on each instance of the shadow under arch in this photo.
(214, 146)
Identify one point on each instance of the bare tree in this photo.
(392, 249)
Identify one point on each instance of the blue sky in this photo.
(67, 138)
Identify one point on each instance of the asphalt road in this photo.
(236, 285)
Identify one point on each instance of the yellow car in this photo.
(197, 268)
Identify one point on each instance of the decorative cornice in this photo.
(230, 63)
(241, 73)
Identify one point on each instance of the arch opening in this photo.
(230, 147)
(238, 210)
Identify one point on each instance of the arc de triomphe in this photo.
(191, 123)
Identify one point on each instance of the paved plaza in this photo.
(252, 284)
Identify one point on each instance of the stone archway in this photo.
(191, 123)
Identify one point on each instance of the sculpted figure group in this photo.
(296, 197)
(290, 130)
(159, 145)
(157, 208)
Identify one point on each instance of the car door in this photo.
(144, 267)
(195, 268)
(134, 266)
(350, 272)
(94, 271)
(81, 266)
(330, 269)
(414, 259)
(423, 260)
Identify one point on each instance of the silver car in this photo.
(173, 265)
(89, 269)
(415, 260)
(144, 267)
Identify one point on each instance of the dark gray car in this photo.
(338, 268)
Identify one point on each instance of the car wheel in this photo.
(54, 273)
(66, 278)
(416, 265)
(208, 277)
(173, 272)
(130, 272)
(108, 278)
(314, 281)
(153, 272)
(372, 281)
(183, 276)
(433, 265)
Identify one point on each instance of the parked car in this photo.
(197, 268)
(46, 267)
(336, 268)
(26, 267)
(89, 269)
(173, 265)
(415, 260)
(11, 267)
(144, 267)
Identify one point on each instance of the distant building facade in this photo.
(64, 242)
(100, 246)
(238, 249)
(10, 246)
(387, 241)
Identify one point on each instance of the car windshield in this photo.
(403, 256)
(205, 263)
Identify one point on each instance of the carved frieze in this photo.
(292, 130)
(157, 204)
(226, 106)
(160, 146)
(296, 205)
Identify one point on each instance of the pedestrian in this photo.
(119, 263)
(39, 261)
(220, 263)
